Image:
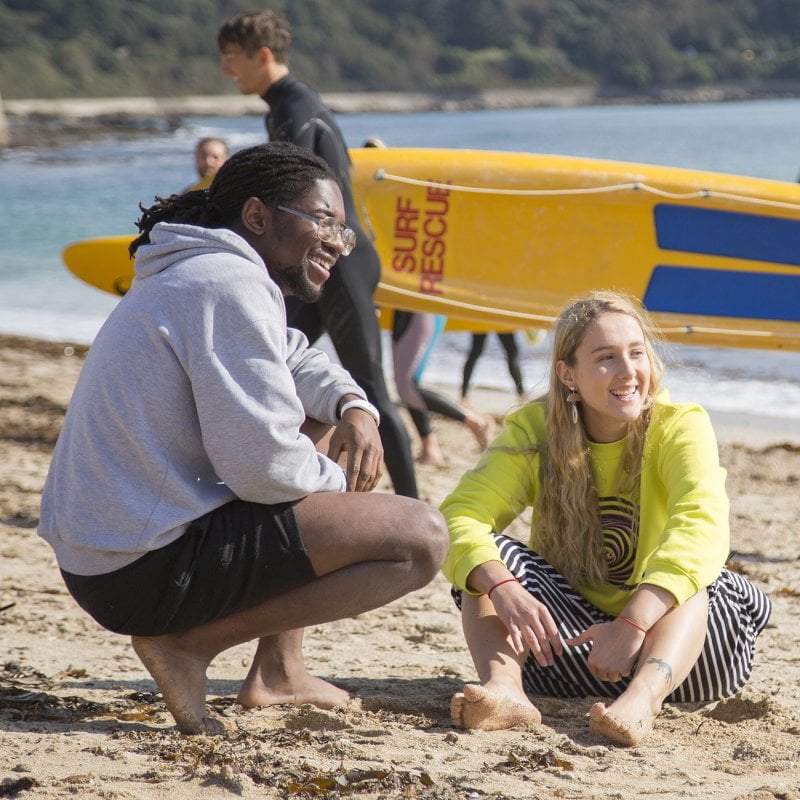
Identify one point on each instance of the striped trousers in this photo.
(737, 613)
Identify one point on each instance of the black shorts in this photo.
(233, 558)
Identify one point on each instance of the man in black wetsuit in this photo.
(254, 49)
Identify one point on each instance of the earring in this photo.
(572, 399)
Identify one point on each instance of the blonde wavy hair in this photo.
(567, 527)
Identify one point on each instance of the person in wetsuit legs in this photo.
(509, 341)
(413, 338)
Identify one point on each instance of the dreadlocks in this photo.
(277, 173)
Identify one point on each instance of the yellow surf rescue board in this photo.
(502, 240)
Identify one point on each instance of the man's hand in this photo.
(356, 446)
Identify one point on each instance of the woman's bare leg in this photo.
(500, 701)
(367, 549)
(670, 650)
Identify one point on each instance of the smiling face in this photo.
(611, 372)
(295, 257)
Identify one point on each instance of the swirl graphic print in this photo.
(619, 520)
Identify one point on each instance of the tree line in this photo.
(100, 48)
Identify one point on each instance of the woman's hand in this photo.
(528, 622)
(615, 648)
(616, 644)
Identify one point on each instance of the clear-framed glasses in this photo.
(328, 229)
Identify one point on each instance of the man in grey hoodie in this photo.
(195, 499)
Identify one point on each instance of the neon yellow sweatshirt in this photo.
(683, 530)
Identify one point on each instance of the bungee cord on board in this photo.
(636, 186)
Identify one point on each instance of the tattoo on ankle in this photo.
(663, 667)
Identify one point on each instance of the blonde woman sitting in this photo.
(622, 591)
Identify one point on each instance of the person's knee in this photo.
(406, 391)
(430, 538)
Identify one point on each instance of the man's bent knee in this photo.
(432, 541)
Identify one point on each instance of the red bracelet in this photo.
(632, 622)
(507, 580)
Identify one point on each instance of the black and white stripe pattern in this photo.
(737, 613)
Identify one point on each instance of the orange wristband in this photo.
(632, 622)
(500, 583)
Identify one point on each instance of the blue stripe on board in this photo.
(723, 293)
(728, 233)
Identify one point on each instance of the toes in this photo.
(457, 710)
(473, 693)
(605, 724)
(597, 712)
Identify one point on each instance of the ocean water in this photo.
(50, 197)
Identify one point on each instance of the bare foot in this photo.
(434, 461)
(482, 428)
(296, 691)
(628, 730)
(182, 681)
(431, 451)
(479, 709)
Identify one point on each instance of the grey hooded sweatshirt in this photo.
(192, 394)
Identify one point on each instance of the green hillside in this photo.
(100, 48)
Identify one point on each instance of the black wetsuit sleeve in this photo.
(298, 115)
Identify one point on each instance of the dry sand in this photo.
(79, 716)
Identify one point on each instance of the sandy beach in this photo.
(80, 717)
